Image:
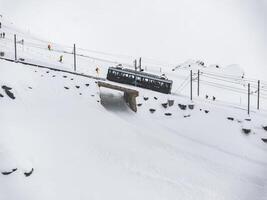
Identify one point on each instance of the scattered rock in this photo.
(155, 98)
(47, 72)
(200, 109)
(185, 116)
(239, 121)
(1, 95)
(230, 118)
(206, 111)
(54, 76)
(152, 110)
(27, 174)
(191, 106)
(77, 86)
(35, 71)
(164, 105)
(64, 76)
(92, 95)
(139, 104)
(246, 131)
(4, 87)
(98, 101)
(170, 102)
(265, 128)
(9, 172)
(264, 140)
(146, 98)
(213, 98)
(30, 87)
(248, 120)
(71, 79)
(8, 92)
(80, 93)
(87, 84)
(182, 107)
(168, 114)
(66, 88)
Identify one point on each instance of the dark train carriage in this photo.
(140, 79)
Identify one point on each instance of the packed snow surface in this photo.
(63, 137)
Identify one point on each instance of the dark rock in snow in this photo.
(230, 118)
(206, 111)
(168, 114)
(71, 79)
(30, 87)
(8, 92)
(54, 76)
(80, 94)
(66, 88)
(265, 128)
(182, 107)
(145, 98)
(191, 106)
(9, 172)
(87, 84)
(47, 72)
(170, 102)
(139, 104)
(27, 174)
(246, 131)
(64, 76)
(264, 140)
(152, 110)
(155, 98)
(248, 120)
(92, 95)
(77, 86)
(4, 87)
(185, 116)
(1, 95)
(164, 105)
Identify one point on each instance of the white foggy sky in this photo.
(217, 31)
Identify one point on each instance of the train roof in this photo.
(143, 74)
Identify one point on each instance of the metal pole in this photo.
(74, 53)
(248, 98)
(140, 63)
(191, 85)
(135, 67)
(258, 103)
(15, 45)
(198, 82)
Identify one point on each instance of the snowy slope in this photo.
(80, 149)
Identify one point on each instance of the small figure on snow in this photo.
(61, 58)
(49, 47)
(97, 70)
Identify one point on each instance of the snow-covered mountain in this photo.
(57, 140)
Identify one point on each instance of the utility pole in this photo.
(135, 67)
(191, 85)
(248, 98)
(198, 73)
(258, 103)
(74, 54)
(140, 63)
(15, 45)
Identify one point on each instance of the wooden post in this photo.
(248, 98)
(74, 54)
(15, 45)
(191, 85)
(198, 73)
(258, 102)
